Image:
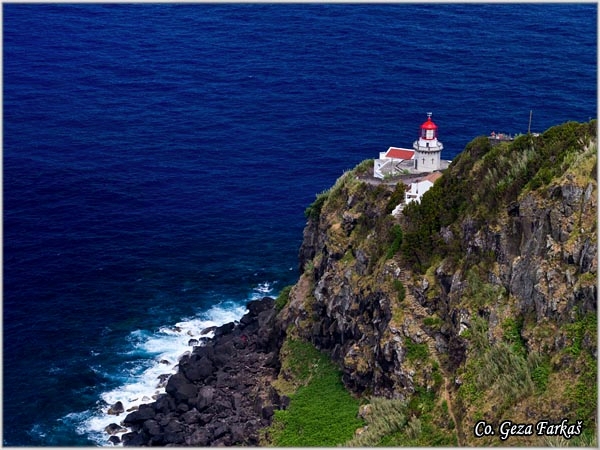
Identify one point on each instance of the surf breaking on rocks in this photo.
(155, 357)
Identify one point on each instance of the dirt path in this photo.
(457, 424)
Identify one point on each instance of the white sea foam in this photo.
(264, 288)
(155, 354)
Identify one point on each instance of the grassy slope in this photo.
(321, 411)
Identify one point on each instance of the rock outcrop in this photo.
(500, 258)
(221, 394)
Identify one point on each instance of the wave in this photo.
(154, 356)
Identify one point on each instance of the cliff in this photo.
(468, 319)
(479, 304)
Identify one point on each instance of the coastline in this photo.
(220, 394)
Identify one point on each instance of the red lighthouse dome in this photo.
(429, 129)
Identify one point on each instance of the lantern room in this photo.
(429, 129)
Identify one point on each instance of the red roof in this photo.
(399, 153)
(429, 125)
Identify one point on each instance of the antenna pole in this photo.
(529, 128)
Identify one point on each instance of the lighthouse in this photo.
(428, 150)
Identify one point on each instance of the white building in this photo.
(416, 189)
(393, 162)
(419, 187)
(428, 150)
(425, 156)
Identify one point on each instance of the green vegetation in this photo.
(501, 372)
(396, 243)
(512, 335)
(540, 372)
(309, 267)
(321, 411)
(459, 242)
(430, 424)
(365, 168)
(484, 179)
(578, 330)
(400, 289)
(584, 392)
(283, 298)
(313, 211)
(489, 364)
(420, 422)
(437, 377)
(396, 198)
(479, 293)
(415, 351)
(385, 417)
(433, 322)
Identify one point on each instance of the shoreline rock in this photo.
(221, 393)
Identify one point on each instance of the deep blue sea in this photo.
(158, 158)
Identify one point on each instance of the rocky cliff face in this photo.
(477, 306)
(485, 294)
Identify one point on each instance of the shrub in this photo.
(415, 351)
(512, 334)
(400, 289)
(481, 181)
(576, 332)
(283, 298)
(313, 211)
(540, 369)
(396, 243)
(396, 198)
(423, 401)
(433, 322)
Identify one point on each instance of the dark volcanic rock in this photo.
(205, 397)
(164, 403)
(198, 369)
(116, 409)
(207, 330)
(174, 432)
(181, 388)
(152, 427)
(114, 428)
(191, 417)
(133, 439)
(255, 307)
(237, 434)
(199, 438)
(224, 329)
(220, 395)
(144, 413)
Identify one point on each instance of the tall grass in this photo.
(386, 417)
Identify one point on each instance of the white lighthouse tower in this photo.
(428, 150)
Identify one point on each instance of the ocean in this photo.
(158, 158)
